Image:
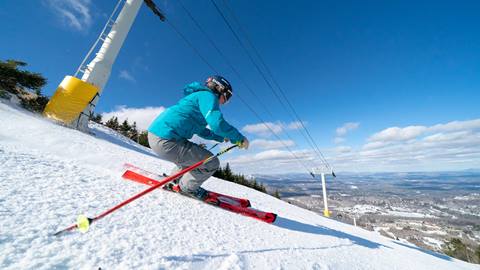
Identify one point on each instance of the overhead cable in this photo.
(241, 99)
(316, 150)
(314, 146)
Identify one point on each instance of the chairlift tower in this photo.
(68, 98)
(324, 170)
(98, 70)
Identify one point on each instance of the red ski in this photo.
(139, 178)
(217, 199)
(83, 222)
(267, 217)
(148, 178)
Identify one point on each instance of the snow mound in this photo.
(50, 174)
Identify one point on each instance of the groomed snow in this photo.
(50, 174)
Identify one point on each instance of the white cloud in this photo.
(343, 130)
(275, 154)
(266, 129)
(398, 134)
(373, 145)
(124, 74)
(74, 13)
(143, 116)
(296, 125)
(263, 129)
(445, 137)
(446, 146)
(273, 161)
(271, 144)
(450, 146)
(343, 149)
(457, 125)
(411, 132)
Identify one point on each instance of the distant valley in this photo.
(425, 208)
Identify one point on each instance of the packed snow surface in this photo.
(50, 174)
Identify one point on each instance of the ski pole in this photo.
(215, 145)
(83, 222)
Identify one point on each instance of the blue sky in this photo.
(381, 85)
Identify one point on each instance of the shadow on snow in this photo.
(293, 226)
(316, 229)
(100, 134)
(432, 253)
(203, 257)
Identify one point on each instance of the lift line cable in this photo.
(243, 101)
(322, 159)
(238, 75)
(191, 45)
(309, 139)
(151, 5)
(242, 29)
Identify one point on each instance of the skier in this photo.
(169, 133)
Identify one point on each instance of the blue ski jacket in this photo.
(191, 115)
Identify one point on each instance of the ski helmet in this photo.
(222, 86)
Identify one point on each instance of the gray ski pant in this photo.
(184, 153)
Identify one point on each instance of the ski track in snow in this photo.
(50, 174)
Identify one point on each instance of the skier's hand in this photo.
(244, 144)
(226, 140)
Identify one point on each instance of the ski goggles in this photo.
(225, 92)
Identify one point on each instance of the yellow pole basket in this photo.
(71, 98)
(83, 224)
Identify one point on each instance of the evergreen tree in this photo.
(227, 171)
(227, 174)
(97, 118)
(36, 104)
(455, 248)
(113, 123)
(254, 184)
(125, 128)
(143, 139)
(262, 188)
(219, 173)
(277, 194)
(12, 78)
(4, 94)
(133, 133)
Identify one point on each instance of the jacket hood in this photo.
(195, 87)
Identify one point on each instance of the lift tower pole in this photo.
(112, 37)
(98, 70)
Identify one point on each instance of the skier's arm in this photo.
(207, 134)
(208, 104)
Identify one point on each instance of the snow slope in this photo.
(50, 174)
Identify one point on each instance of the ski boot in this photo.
(202, 195)
(173, 185)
